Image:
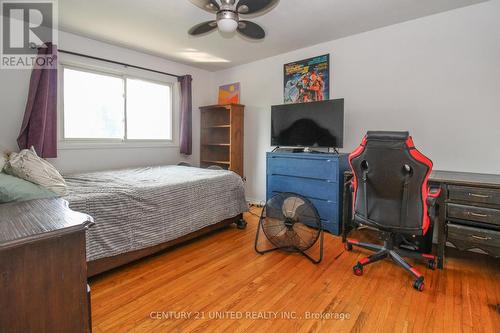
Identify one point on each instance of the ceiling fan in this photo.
(228, 16)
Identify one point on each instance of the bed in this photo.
(141, 211)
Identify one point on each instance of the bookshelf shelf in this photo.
(216, 162)
(222, 136)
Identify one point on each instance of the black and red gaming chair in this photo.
(391, 194)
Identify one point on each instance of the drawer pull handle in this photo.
(481, 237)
(479, 195)
(477, 214)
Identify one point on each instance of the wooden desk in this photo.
(43, 269)
(468, 211)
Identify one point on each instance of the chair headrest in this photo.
(387, 135)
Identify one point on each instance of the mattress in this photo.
(137, 208)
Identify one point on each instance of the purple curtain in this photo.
(39, 127)
(186, 137)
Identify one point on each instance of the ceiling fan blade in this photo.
(210, 6)
(255, 7)
(251, 30)
(203, 28)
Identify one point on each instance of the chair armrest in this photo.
(432, 194)
(350, 185)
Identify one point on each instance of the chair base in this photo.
(389, 250)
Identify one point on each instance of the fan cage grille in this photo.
(291, 222)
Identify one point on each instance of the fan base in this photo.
(291, 249)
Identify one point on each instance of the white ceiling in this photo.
(160, 27)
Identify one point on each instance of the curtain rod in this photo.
(118, 63)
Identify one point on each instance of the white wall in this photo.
(14, 89)
(438, 77)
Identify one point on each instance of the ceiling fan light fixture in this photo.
(227, 25)
(227, 21)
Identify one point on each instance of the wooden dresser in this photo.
(43, 269)
(222, 136)
(318, 177)
(469, 212)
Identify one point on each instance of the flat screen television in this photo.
(313, 124)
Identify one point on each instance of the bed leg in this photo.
(241, 223)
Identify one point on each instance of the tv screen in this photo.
(314, 124)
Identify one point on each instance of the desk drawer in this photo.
(474, 194)
(311, 188)
(303, 167)
(464, 238)
(471, 213)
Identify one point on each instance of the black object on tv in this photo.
(313, 124)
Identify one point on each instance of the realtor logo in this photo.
(26, 27)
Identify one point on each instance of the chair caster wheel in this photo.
(419, 284)
(241, 224)
(347, 246)
(432, 264)
(358, 269)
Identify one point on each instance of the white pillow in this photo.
(4, 157)
(28, 166)
(3, 160)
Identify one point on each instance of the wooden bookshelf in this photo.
(222, 136)
(217, 144)
(219, 126)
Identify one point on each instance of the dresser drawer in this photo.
(464, 238)
(304, 167)
(472, 213)
(327, 210)
(332, 227)
(474, 194)
(311, 188)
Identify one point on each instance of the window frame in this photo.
(96, 67)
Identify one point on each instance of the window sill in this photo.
(65, 145)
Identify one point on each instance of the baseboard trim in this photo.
(256, 202)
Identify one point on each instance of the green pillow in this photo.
(17, 189)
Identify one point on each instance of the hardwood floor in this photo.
(221, 275)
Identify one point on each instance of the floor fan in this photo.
(290, 223)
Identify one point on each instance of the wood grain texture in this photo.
(20, 222)
(221, 273)
(236, 152)
(462, 178)
(465, 178)
(43, 269)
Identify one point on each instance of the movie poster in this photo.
(307, 80)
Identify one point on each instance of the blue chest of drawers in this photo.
(318, 177)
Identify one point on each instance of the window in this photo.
(93, 106)
(110, 107)
(147, 105)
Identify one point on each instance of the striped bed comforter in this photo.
(138, 208)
